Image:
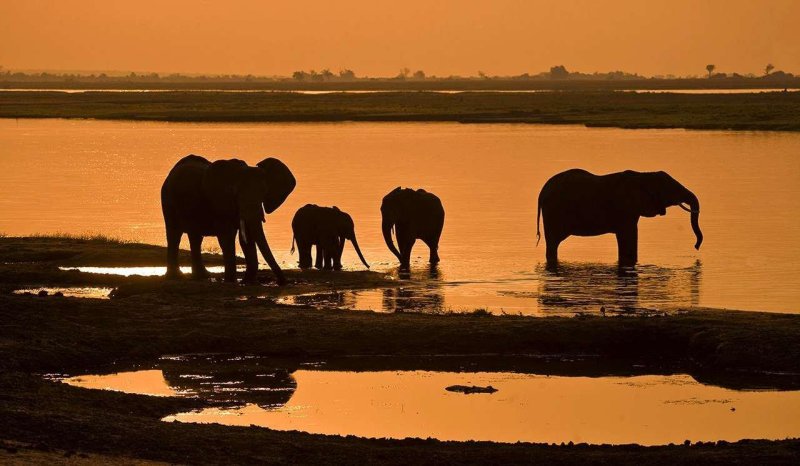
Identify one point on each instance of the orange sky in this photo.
(375, 37)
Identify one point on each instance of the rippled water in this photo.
(644, 409)
(104, 177)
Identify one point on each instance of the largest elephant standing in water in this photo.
(576, 202)
(201, 198)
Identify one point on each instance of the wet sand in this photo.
(149, 317)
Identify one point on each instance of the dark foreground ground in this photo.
(44, 421)
(768, 111)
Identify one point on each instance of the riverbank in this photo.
(768, 111)
(150, 317)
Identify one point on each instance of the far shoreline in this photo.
(757, 111)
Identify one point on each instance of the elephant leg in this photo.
(318, 260)
(173, 245)
(199, 271)
(552, 243)
(433, 245)
(227, 242)
(251, 259)
(304, 249)
(337, 256)
(628, 245)
(406, 245)
(327, 257)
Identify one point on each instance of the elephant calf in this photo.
(576, 202)
(413, 214)
(326, 228)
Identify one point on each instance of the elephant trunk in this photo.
(387, 236)
(694, 205)
(257, 234)
(358, 251)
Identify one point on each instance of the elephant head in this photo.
(346, 230)
(651, 193)
(393, 206)
(242, 194)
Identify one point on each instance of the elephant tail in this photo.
(538, 214)
(292, 250)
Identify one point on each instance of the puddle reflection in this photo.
(647, 410)
(644, 409)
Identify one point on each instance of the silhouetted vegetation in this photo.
(557, 77)
(778, 111)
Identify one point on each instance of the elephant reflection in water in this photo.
(334, 299)
(425, 297)
(645, 289)
(232, 381)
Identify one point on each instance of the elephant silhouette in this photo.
(576, 202)
(203, 198)
(326, 228)
(412, 214)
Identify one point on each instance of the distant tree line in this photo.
(556, 73)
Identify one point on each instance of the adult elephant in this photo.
(201, 198)
(576, 202)
(413, 214)
(326, 228)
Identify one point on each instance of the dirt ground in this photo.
(49, 422)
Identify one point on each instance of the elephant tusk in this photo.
(242, 228)
(686, 208)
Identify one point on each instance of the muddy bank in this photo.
(154, 317)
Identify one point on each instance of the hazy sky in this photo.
(376, 37)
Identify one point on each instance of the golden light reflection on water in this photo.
(146, 382)
(104, 177)
(645, 409)
(145, 271)
(70, 292)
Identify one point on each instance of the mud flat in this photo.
(768, 111)
(148, 317)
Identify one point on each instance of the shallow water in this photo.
(104, 177)
(71, 292)
(649, 409)
(143, 271)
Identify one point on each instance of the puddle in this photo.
(146, 382)
(71, 292)
(648, 409)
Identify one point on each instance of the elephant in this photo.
(413, 214)
(576, 202)
(203, 198)
(327, 228)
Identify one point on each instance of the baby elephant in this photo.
(326, 228)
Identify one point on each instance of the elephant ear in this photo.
(279, 180)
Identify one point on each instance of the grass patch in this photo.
(773, 111)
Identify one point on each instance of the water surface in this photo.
(645, 409)
(75, 176)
